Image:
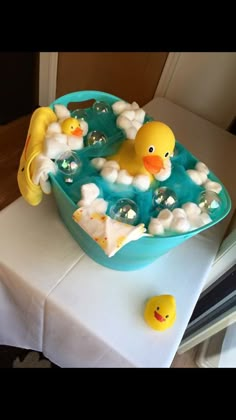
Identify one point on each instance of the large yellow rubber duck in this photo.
(149, 152)
(160, 312)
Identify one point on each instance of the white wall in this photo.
(204, 83)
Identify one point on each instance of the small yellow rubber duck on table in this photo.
(160, 312)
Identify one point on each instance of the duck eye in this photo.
(158, 307)
(71, 127)
(167, 154)
(167, 316)
(151, 149)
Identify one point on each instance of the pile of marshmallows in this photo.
(189, 216)
(130, 117)
(180, 220)
(111, 172)
(199, 176)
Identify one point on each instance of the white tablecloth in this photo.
(55, 299)
(95, 308)
(36, 252)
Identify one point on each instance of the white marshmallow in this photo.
(191, 209)
(203, 176)
(165, 217)
(124, 177)
(195, 221)
(83, 203)
(200, 166)
(165, 173)
(98, 163)
(179, 212)
(136, 124)
(59, 137)
(89, 192)
(130, 114)
(194, 175)
(139, 115)
(142, 182)
(205, 218)
(112, 164)
(110, 174)
(180, 224)
(119, 106)
(75, 143)
(61, 111)
(155, 227)
(84, 126)
(53, 128)
(123, 122)
(213, 186)
(134, 106)
(99, 206)
(131, 133)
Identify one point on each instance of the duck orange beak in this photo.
(77, 132)
(153, 164)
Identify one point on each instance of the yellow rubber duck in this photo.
(149, 152)
(64, 135)
(160, 312)
(71, 127)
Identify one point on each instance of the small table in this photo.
(55, 299)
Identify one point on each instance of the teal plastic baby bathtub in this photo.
(136, 254)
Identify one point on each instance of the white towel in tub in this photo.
(40, 167)
(110, 234)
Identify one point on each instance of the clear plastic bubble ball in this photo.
(164, 198)
(96, 137)
(79, 114)
(69, 164)
(209, 201)
(125, 211)
(101, 107)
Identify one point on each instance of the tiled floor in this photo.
(14, 357)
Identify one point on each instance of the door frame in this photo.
(167, 74)
(47, 77)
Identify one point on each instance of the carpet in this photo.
(14, 357)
